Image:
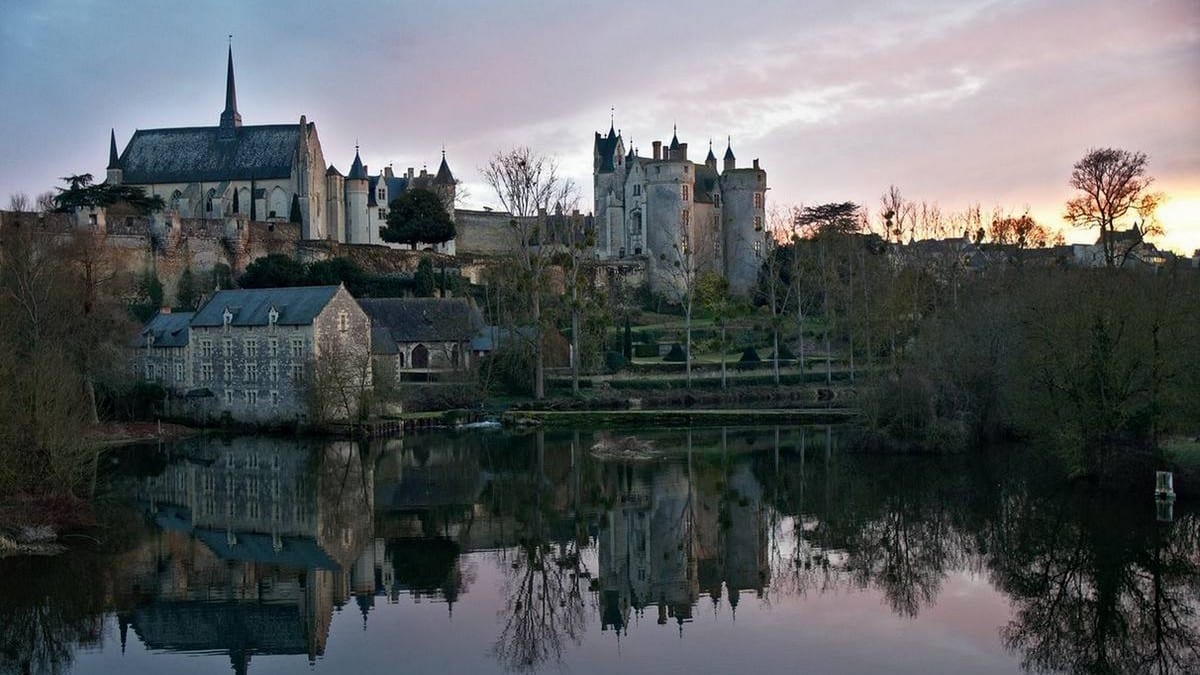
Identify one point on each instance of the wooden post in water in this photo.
(1164, 496)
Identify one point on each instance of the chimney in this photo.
(682, 152)
(657, 149)
(410, 172)
(387, 171)
(756, 164)
(165, 309)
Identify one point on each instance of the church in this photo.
(651, 208)
(269, 172)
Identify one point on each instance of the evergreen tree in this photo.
(424, 281)
(294, 215)
(416, 217)
(186, 293)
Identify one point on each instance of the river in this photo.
(764, 550)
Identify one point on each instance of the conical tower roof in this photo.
(357, 172)
(444, 176)
(729, 149)
(230, 117)
(114, 160)
(674, 137)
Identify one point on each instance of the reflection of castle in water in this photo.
(253, 547)
(668, 538)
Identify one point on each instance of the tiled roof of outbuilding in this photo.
(169, 330)
(297, 306)
(424, 319)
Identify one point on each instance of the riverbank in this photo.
(116, 434)
(677, 417)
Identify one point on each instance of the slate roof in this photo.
(357, 171)
(193, 154)
(372, 181)
(296, 306)
(489, 338)
(332, 171)
(423, 319)
(606, 146)
(444, 177)
(168, 330)
(729, 150)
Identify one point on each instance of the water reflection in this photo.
(252, 547)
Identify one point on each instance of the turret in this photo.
(730, 160)
(335, 204)
(711, 160)
(115, 174)
(358, 229)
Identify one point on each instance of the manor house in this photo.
(658, 206)
(266, 172)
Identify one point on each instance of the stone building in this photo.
(273, 172)
(422, 335)
(275, 355)
(650, 206)
(161, 351)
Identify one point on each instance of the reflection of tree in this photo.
(1097, 596)
(544, 608)
(48, 608)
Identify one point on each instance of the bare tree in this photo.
(681, 268)
(45, 202)
(529, 186)
(898, 214)
(18, 201)
(1115, 185)
(339, 380)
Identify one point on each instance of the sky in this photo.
(953, 101)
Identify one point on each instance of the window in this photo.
(206, 372)
(685, 217)
(297, 372)
(251, 374)
(150, 371)
(343, 321)
(92, 219)
(758, 200)
(179, 371)
(228, 397)
(251, 397)
(272, 347)
(227, 347)
(274, 402)
(637, 190)
(272, 316)
(383, 214)
(273, 372)
(717, 200)
(297, 348)
(227, 317)
(208, 200)
(206, 348)
(685, 191)
(758, 249)
(637, 223)
(758, 223)
(228, 371)
(380, 194)
(251, 348)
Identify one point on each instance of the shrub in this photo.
(749, 355)
(613, 361)
(676, 354)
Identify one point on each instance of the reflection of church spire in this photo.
(123, 626)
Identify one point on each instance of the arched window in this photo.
(420, 357)
(455, 357)
(208, 200)
(237, 202)
(279, 203)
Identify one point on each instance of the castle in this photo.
(273, 172)
(655, 207)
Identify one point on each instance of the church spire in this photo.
(114, 161)
(230, 118)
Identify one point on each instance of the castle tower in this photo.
(743, 196)
(608, 183)
(711, 160)
(115, 174)
(231, 119)
(358, 228)
(335, 204)
(445, 185)
(730, 160)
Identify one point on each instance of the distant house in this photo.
(274, 355)
(422, 335)
(161, 351)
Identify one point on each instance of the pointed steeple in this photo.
(729, 148)
(443, 177)
(114, 161)
(674, 137)
(357, 172)
(230, 118)
(612, 122)
(711, 159)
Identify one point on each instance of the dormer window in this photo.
(272, 316)
(227, 317)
